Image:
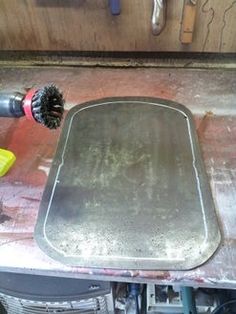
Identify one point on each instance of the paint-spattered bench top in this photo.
(210, 95)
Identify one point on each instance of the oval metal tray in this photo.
(128, 189)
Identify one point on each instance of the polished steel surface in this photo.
(128, 189)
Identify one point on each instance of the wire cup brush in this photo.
(44, 105)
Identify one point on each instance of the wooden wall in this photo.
(87, 25)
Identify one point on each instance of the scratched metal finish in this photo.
(128, 189)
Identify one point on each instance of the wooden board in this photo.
(188, 23)
(87, 25)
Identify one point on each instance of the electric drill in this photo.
(44, 105)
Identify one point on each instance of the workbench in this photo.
(209, 94)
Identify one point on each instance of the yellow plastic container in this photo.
(7, 159)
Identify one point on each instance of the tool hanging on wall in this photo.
(115, 7)
(158, 16)
(188, 21)
(44, 105)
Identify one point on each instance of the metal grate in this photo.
(99, 305)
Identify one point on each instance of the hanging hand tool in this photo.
(114, 7)
(44, 106)
(188, 21)
(158, 16)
